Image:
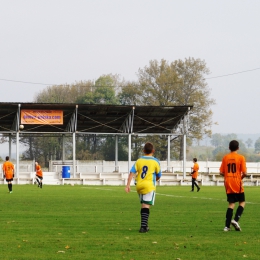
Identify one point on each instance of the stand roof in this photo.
(96, 118)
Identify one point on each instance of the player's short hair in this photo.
(7, 158)
(233, 145)
(195, 160)
(148, 148)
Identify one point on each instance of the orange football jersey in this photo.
(232, 166)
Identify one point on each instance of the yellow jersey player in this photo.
(146, 171)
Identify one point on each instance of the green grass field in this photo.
(102, 222)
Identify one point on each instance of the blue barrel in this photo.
(65, 172)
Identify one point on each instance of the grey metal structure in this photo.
(97, 119)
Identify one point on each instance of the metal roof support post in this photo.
(17, 155)
(130, 139)
(116, 154)
(63, 148)
(17, 142)
(169, 153)
(74, 141)
(74, 153)
(33, 165)
(184, 156)
(185, 130)
(10, 146)
(129, 152)
(132, 122)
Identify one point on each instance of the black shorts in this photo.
(39, 177)
(9, 179)
(235, 197)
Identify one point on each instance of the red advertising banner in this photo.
(41, 117)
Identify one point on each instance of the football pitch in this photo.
(102, 222)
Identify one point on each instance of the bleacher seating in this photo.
(91, 174)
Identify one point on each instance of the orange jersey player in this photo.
(39, 175)
(8, 172)
(233, 168)
(194, 175)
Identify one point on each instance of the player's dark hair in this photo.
(233, 145)
(7, 158)
(148, 148)
(195, 160)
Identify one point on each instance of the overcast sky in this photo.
(64, 41)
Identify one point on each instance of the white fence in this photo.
(107, 173)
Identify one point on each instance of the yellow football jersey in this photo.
(146, 169)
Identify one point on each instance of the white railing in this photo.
(101, 171)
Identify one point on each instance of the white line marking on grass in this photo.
(203, 198)
(175, 196)
(97, 188)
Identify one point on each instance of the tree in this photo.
(177, 83)
(219, 152)
(229, 137)
(104, 91)
(108, 148)
(257, 146)
(159, 83)
(42, 148)
(193, 90)
(130, 94)
(64, 93)
(249, 142)
(89, 147)
(159, 142)
(242, 147)
(216, 140)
